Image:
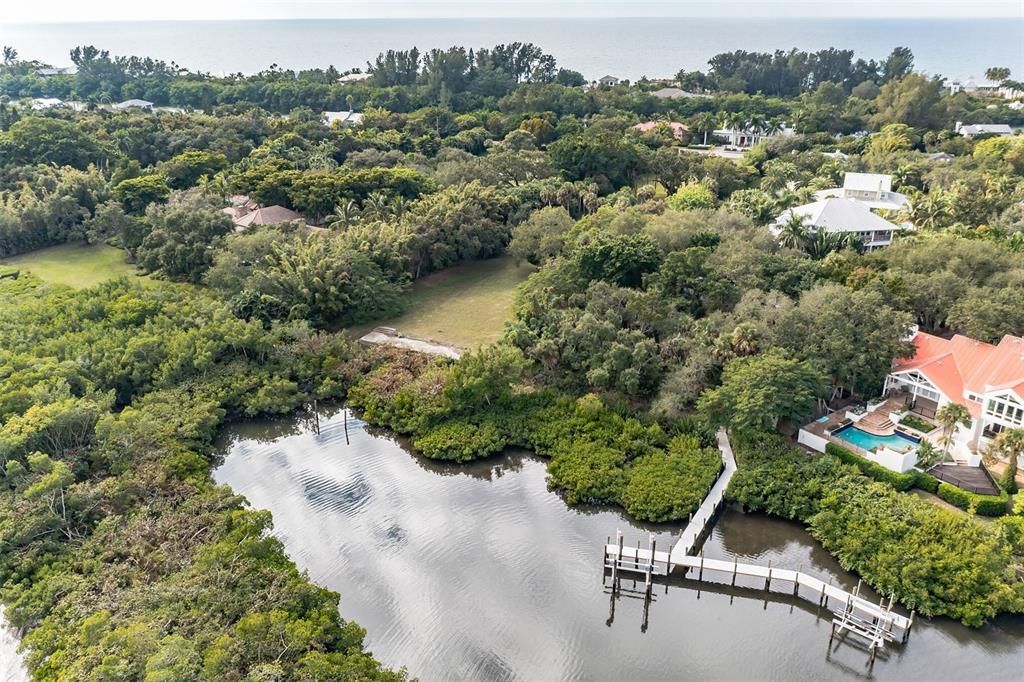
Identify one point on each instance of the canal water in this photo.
(477, 571)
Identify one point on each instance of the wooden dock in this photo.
(875, 623)
(622, 559)
(702, 520)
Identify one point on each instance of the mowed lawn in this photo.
(76, 265)
(465, 306)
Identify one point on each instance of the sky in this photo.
(56, 11)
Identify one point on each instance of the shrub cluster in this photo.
(467, 410)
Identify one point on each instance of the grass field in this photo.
(76, 265)
(465, 306)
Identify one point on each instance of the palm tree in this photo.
(822, 242)
(10, 55)
(1010, 444)
(705, 123)
(793, 233)
(377, 205)
(773, 126)
(949, 417)
(344, 215)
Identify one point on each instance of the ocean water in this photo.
(627, 48)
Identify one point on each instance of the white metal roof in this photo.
(838, 215)
(867, 182)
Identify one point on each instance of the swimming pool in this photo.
(868, 441)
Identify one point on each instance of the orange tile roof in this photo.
(960, 365)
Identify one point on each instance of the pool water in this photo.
(867, 441)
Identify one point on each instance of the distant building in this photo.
(874, 190)
(132, 104)
(836, 155)
(40, 103)
(343, 118)
(270, 215)
(675, 93)
(941, 156)
(355, 77)
(976, 129)
(983, 88)
(842, 216)
(608, 81)
(49, 71)
(744, 138)
(678, 129)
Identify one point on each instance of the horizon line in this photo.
(747, 18)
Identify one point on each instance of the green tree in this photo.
(914, 100)
(759, 390)
(692, 196)
(181, 234)
(135, 194)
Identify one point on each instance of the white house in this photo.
(745, 138)
(40, 103)
(987, 379)
(975, 129)
(343, 118)
(874, 190)
(132, 104)
(608, 81)
(843, 216)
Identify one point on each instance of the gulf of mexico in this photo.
(627, 48)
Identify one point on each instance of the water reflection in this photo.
(478, 572)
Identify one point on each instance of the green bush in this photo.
(667, 486)
(588, 472)
(984, 505)
(926, 482)
(461, 441)
(918, 424)
(872, 469)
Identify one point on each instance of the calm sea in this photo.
(627, 48)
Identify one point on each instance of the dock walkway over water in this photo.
(876, 623)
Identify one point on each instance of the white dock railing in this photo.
(875, 622)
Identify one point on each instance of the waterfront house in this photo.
(976, 129)
(874, 190)
(987, 379)
(841, 216)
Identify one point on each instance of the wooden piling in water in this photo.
(700, 573)
(796, 581)
(768, 580)
(735, 565)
